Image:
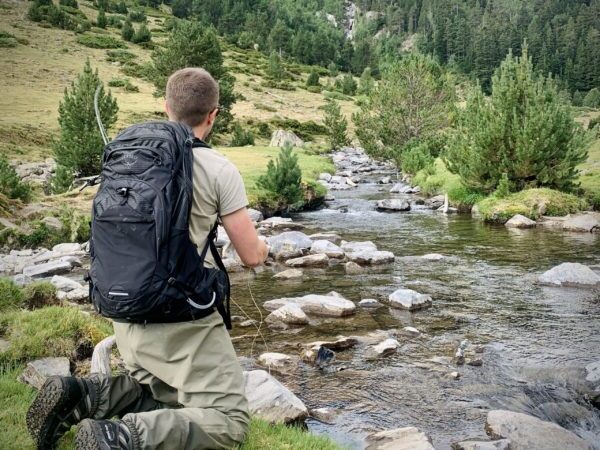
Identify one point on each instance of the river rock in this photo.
(317, 260)
(411, 331)
(570, 274)
(233, 265)
(399, 188)
(325, 177)
(289, 244)
(501, 444)
(275, 360)
(351, 247)
(65, 284)
(409, 299)
(314, 350)
(371, 257)
(289, 314)
(270, 400)
(255, 215)
(433, 257)
(369, 303)
(290, 274)
(67, 248)
(331, 237)
(352, 268)
(385, 348)
(325, 415)
(593, 372)
(48, 269)
(520, 221)
(52, 223)
(280, 223)
(323, 305)
(22, 280)
(435, 202)
(393, 204)
(37, 371)
(327, 248)
(337, 179)
(281, 138)
(526, 432)
(408, 438)
(584, 223)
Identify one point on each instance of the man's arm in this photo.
(240, 229)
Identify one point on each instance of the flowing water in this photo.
(537, 339)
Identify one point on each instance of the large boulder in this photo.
(289, 244)
(36, 372)
(317, 260)
(371, 257)
(289, 314)
(593, 372)
(47, 269)
(570, 274)
(65, 284)
(584, 223)
(331, 237)
(526, 432)
(322, 305)
(280, 138)
(435, 202)
(352, 246)
(408, 438)
(393, 204)
(328, 248)
(270, 400)
(520, 221)
(409, 299)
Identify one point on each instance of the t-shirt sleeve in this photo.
(231, 193)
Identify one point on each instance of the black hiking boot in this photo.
(104, 435)
(61, 403)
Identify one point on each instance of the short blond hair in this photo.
(191, 94)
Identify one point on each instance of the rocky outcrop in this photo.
(321, 305)
(526, 432)
(408, 438)
(520, 221)
(409, 299)
(270, 400)
(393, 204)
(570, 274)
(327, 248)
(36, 372)
(289, 244)
(593, 372)
(280, 138)
(582, 223)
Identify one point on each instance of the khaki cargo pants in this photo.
(185, 388)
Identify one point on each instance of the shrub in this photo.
(283, 177)
(11, 184)
(11, 296)
(525, 130)
(7, 40)
(79, 147)
(366, 82)
(127, 31)
(142, 35)
(414, 157)
(101, 19)
(336, 125)
(100, 41)
(348, 85)
(137, 15)
(122, 56)
(304, 130)
(313, 78)
(70, 3)
(40, 294)
(333, 69)
(123, 83)
(144, 71)
(115, 21)
(592, 99)
(62, 180)
(314, 89)
(241, 137)
(332, 95)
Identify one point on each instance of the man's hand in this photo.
(240, 229)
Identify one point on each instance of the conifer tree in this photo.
(127, 31)
(79, 146)
(284, 177)
(101, 20)
(275, 68)
(348, 85)
(142, 35)
(336, 125)
(525, 130)
(191, 44)
(366, 82)
(313, 78)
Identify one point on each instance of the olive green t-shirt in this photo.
(218, 191)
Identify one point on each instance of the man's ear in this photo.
(167, 110)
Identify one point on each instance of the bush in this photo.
(414, 157)
(70, 3)
(101, 19)
(143, 71)
(10, 183)
(62, 180)
(122, 56)
(11, 296)
(366, 82)
(142, 35)
(64, 17)
(40, 294)
(7, 40)
(240, 137)
(123, 83)
(313, 78)
(336, 125)
(115, 21)
(100, 41)
(283, 178)
(348, 85)
(525, 130)
(136, 15)
(532, 203)
(304, 130)
(333, 95)
(592, 99)
(314, 89)
(127, 31)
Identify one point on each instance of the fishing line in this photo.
(98, 118)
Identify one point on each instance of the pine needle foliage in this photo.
(283, 177)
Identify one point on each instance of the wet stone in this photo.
(37, 371)
(409, 299)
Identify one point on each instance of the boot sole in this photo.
(48, 402)
(87, 438)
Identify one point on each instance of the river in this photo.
(537, 339)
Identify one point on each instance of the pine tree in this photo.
(336, 125)
(142, 35)
(191, 44)
(275, 68)
(284, 177)
(366, 82)
(79, 146)
(313, 78)
(127, 31)
(101, 19)
(348, 85)
(525, 130)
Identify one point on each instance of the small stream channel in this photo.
(537, 339)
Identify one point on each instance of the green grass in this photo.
(590, 178)
(252, 163)
(280, 437)
(528, 203)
